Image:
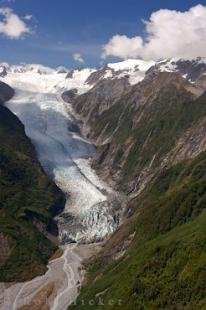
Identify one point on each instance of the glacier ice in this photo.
(88, 215)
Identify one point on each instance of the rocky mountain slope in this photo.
(28, 202)
(136, 126)
(150, 139)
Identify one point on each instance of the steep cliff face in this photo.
(28, 201)
(135, 130)
(151, 144)
(100, 98)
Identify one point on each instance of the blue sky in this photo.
(61, 28)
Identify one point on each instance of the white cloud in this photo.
(28, 17)
(122, 46)
(11, 25)
(78, 57)
(169, 33)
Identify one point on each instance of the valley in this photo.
(65, 156)
(126, 145)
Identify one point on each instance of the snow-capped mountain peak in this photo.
(30, 68)
(131, 64)
(134, 70)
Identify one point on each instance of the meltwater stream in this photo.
(91, 211)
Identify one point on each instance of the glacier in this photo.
(65, 155)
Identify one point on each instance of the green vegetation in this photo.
(157, 258)
(165, 264)
(151, 129)
(162, 123)
(28, 200)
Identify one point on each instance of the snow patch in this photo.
(135, 69)
(78, 81)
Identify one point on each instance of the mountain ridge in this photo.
(151, 145)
